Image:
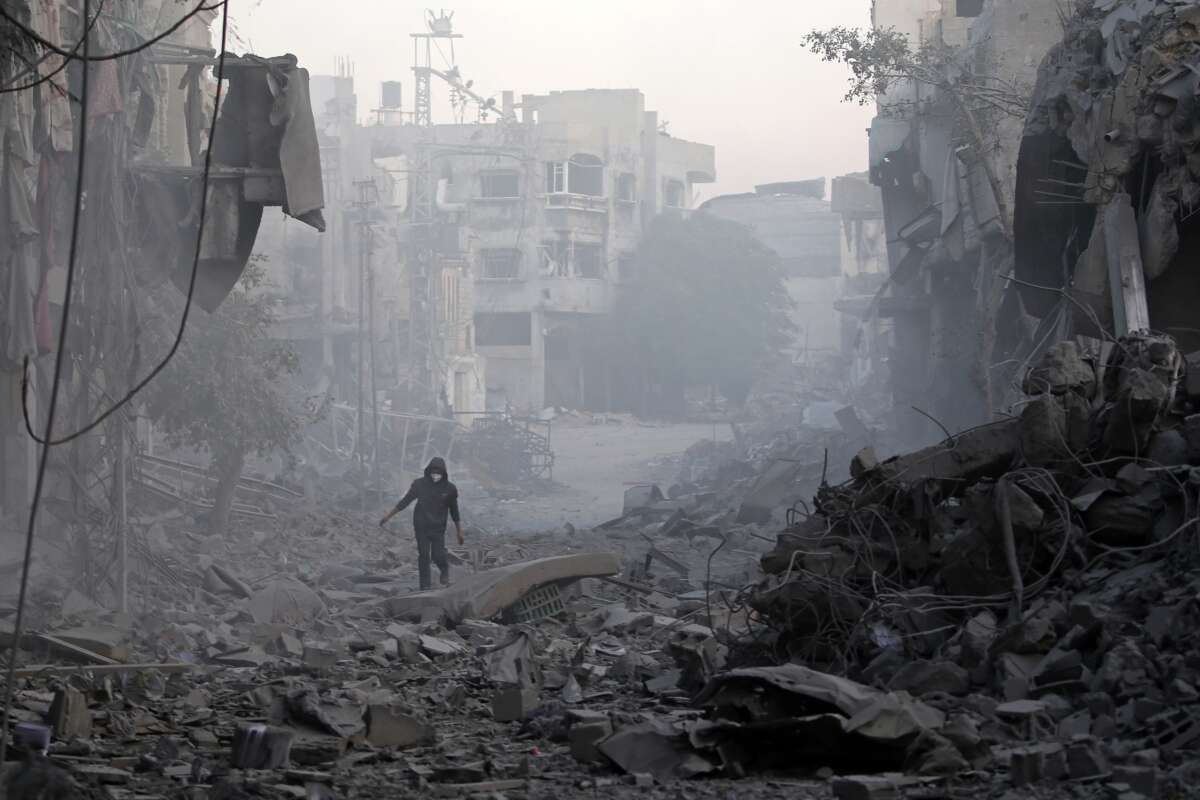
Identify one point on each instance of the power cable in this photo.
(56, 383)
(9, 88)
(187, 308)
(71, 56)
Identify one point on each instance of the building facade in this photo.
(945, 159)
(539, 213)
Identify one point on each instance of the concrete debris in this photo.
(514, 704)
(1047, 632)
(285, 602)
(389, 726)
(261, 747)
(657, 748)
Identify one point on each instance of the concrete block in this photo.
(320, 656)
(1143, 780)
(389, 726)
(1028, 765)
(872, 787)
(510, 705)
(261, 747)
(584, 736)
(69, 715)
(1084, 760)
(1025, 766)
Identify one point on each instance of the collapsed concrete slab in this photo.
(985, 452)
(486, 594)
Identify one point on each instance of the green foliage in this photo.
(880, 59)
(877, 58)
(709, 307)
(225, 390)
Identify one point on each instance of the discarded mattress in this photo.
(486, 594)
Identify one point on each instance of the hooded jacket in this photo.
(435, 500)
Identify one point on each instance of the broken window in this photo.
(627, 187)
(500, 263)
(500, 184)
(969, 8)
(585, 175)
(503, 329)
(673, 193)
(589, 260)
(556, 177)
(556, 259)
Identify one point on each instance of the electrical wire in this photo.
(187, 308)
(8, 88)
(71, 56)
(55, 385)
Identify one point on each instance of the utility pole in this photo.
(422, 290)
(363, 205)
(424, 248)
(371, 335)
(121, 476)
(120, 471)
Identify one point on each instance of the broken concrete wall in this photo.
(1010, 40)
(948, 199)
(1126, 129)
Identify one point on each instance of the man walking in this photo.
(436, 497)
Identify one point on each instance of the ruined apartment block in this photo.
(537, 213)
(542, 211)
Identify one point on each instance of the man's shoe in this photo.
(445, 578)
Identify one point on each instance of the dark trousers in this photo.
(431, 545)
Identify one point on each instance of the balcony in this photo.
(563, 201)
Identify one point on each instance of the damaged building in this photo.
(149, 118)
(544, 209)
(783, 608)
(1109, 175)
(533, 213)
(945, 158)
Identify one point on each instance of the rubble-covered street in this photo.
(421, 424)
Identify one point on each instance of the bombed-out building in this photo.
(544, 209)
(529, 216)
(945, 158)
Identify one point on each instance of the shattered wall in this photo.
(944, 157)
(1109, 166)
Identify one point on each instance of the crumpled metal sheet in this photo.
(882, 716)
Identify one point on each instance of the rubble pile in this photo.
(1007, 613)
(300, 660)
(1034, 579)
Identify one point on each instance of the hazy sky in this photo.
(727, 73)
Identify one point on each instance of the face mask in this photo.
(437, 476)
